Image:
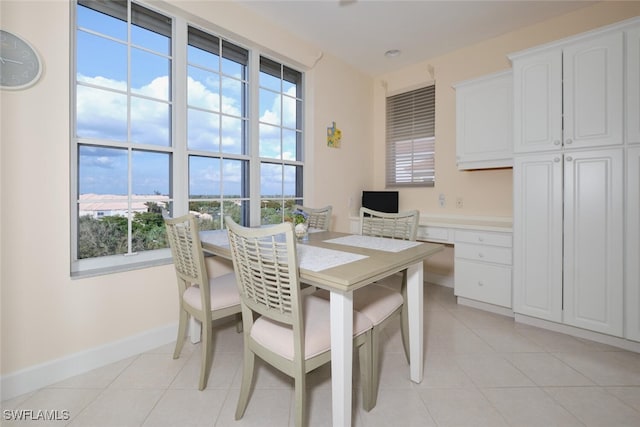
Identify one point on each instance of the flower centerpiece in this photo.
(299, 220)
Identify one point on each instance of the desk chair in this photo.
(206, 299)
(286, 329)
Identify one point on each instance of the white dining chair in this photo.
(205, 298)
(283, 327)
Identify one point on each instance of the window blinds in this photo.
(411, 138)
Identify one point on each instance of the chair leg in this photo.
(365, 373)
(238, 322)
(182, 332)
(300, 390)
(247, 379)
(404, 318)
(207, 354)
(375, 367)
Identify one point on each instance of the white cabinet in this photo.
(483, 266)
(568, 238)
(484, 122)
(632, 89)
(537, 236)
(593, 240)
(569, 96)
(573, 114)
(632, 290)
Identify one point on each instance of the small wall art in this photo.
(334, 136)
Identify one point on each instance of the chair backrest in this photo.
(403, 225)
(266, 267)
(319, 218)
(188, 257)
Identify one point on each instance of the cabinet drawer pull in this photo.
(480, 239)
(480, 255)
(480, 283)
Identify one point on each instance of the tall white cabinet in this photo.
(632, 259)
(570, 143)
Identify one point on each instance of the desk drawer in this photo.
(483, 253)
(434, 234)
(484, 238)
(483, 282)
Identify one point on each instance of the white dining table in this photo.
(343, 263)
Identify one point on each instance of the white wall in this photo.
(48, 318)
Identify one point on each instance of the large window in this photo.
(163, 125)
(411, 138)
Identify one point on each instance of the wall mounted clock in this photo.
(20, 64)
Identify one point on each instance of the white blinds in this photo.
(411, 138)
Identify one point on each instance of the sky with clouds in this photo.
(215, 103)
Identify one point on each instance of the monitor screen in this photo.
(381, 201)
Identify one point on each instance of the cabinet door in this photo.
(537, 97)
(537, 236)
(633, 86)
(593, 243)
(593, 92)
(632, 290)
(484, 122)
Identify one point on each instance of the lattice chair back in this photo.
(188, 258)
(403, 225)
(319, 218)
(266, 266)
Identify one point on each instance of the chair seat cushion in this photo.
(377, 302)
(278, 337)
(224, 293)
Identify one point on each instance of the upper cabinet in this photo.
(570, 95)
(484, 122)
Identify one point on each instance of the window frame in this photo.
(179, 167)
(410, 137)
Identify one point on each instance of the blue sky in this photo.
(102, 113)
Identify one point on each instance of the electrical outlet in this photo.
(441, 200)
(459, 203)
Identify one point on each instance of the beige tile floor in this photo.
(480, 369)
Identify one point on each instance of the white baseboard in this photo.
(580, 333)
(45, 374)
(504, 311)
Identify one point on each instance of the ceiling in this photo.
(361, 31)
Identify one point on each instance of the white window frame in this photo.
(179, 174)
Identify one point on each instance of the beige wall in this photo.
(484, 192)
(45, 315)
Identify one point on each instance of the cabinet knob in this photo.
(569, 158)
(568, 141)
(556, 142)
(480, 239)
(480, 283)
(556, 159)
(480, 255)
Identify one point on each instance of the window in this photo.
(162, 126)
(280, 140)
(411, 138)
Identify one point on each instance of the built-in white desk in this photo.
(482, 256)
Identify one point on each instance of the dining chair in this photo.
(205, 298)
(379, 302)
(283, 327)
(319, 218)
